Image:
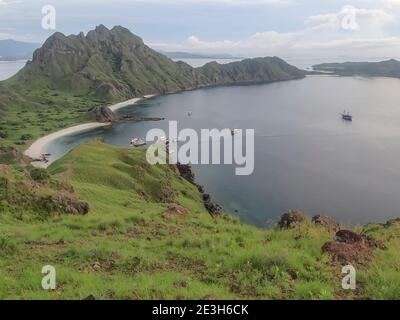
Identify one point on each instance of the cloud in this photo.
(262, 42)
(363, 21)
(391, 3)
(350, 29)
(226, 2)
(8, 2)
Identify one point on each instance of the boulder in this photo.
(105, 114)
(351, 247)
(291, 219)
(326, 222)
(346, 253)
(348, 236)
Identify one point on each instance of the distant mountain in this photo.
(109, 64)
(188, 55)
(257, 70)
(115, 65)
(389, 68)
(16, 50)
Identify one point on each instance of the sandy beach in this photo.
(38, 147)
(127, 103)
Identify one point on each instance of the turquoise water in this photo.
(306, 157)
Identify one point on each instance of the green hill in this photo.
(147, 235)
(115, 65)
(389, 68)
(108, 64)
(250, 71)
(70, 76)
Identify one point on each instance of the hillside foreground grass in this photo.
(147, 235)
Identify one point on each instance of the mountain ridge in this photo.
(11, 50)
(387, 68)
(115, 64)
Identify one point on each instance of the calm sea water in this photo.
(9, 68)
(201, 62)
(306, 157)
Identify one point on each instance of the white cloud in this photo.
(391, 3)
(267, 43)
(227, 2)
(351, 30)
(366, 22)
(8, 2)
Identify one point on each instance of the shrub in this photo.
(26, 137)
(39, 174)
(3, 134)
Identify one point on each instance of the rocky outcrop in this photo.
(105, 114)
(345, 253)
(347, 236)
(186, 172)
(291, 218)
(352, 248)
(326, 222)
(211, 207)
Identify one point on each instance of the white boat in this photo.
(137, 142)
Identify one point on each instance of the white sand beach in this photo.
(130, 102)
(38, 148)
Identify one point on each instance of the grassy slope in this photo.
(124, 249)
(26, 115)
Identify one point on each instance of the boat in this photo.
(164, 140)
(137, 142)
(346, 116)
(234, 131)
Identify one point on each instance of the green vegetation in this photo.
(390, 68)
(258, 70)
(115, 65)
(116, 227)
(126, 248)
(70, 76)
(27, 114)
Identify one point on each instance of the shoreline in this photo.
(130, 102)
(38, 147)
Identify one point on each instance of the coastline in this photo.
(38, 147)
(129, 102)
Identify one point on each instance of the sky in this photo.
(288, 28)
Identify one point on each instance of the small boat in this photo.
(346, 116)
(137, 142)
(44, 158)
(164, 140)
(234, 131)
